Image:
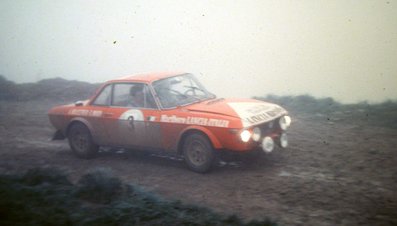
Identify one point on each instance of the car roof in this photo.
(146, 77)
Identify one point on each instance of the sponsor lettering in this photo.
(195, 121)
(218, 123)
(84, 112)
(173, 119)
(254, 113)
(264, 115)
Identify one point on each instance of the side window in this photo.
(104, 97)
(134, 95)
(121, 94)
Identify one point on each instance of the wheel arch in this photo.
(214, 141)
(77, 121)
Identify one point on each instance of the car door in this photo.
(97, 114)
(134, 114)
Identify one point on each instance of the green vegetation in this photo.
(45, 196)
(382, 114)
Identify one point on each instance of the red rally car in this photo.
(170, 112)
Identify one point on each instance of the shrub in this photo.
(99, 186)
(45, 175)
(46, 197)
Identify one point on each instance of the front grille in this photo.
(269, 127)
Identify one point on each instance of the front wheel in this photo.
(198, 153)
(80, 141)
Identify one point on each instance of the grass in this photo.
(45, 196)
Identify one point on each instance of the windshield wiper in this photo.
(196, 88)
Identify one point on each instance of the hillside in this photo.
(54, 89)
(381, 114)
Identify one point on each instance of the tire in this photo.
(80, 141)
(198, 153)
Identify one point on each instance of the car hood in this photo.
(251, 112)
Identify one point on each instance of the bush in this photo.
(99, 186)
(46, 197)
(39, 197)
(45, 175)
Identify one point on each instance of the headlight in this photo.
(267, 144)
(288, 120)
(284, 122)
(283, 140)
(245, 135)
(256, 134)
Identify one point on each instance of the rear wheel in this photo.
(198, 153)
(80, 141)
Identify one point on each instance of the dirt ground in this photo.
(334, 172)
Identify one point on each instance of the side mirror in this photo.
(78, 103)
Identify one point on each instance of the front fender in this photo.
(213, 139)
(80, 120)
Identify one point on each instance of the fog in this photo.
(341, 49)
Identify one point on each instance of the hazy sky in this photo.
(343, 49)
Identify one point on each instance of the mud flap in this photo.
(58, 135)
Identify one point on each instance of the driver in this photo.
(137, 97)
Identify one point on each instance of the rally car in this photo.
(172, 113)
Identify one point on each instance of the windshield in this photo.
(180, 90)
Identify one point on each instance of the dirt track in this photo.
(333, 173)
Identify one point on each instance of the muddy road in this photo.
(334, 172)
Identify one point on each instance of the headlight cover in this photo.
(245, 135)
(284, 122)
